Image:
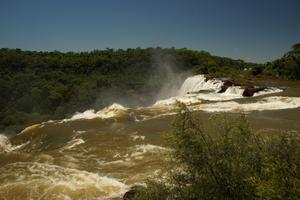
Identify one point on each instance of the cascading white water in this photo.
(235, 91)
(189, 94)
(6, 146)
(198, 83)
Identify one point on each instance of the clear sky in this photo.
(253, 30)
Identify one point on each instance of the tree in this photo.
(235, 163)
(296, 47)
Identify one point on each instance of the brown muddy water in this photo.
(99, 155)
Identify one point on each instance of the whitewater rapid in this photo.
(89, 165)
(48, 181)
(200, 94)
(6, 146)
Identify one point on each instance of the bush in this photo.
(236, 163)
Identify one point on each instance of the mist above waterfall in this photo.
(161, 80)
(167, 71)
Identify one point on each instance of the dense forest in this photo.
(38, 86)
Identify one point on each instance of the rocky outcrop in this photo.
(132, 192)
(249, 91)
(208, 77)
(226, 85)
(200, 91)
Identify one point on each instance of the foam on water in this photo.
(139, 150)
(79, 132)
(71, 144)
(189, 99)
(270, 90)
(111, 111)
(267, 103)
(46, 181)
(136, 137)
(6, 146)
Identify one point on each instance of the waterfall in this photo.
(234, 90)
(198, 83)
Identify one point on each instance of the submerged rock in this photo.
(132, 192)
(249, 91)
(226, 85)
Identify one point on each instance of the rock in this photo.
(249, 91)
(132, 192)
(208, 77)
(200, 91)
(226, 85)
(223, 89)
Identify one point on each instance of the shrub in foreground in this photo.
(234, 163)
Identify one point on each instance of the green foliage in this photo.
(287, 67)
(235, 163)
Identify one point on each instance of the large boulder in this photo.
(208, 77)
(226, 85)
(132, 192)
(249, 91)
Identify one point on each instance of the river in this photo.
(100, 154)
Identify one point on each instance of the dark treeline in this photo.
(287, 67)
(37, 86)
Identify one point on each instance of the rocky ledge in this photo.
(249, 91)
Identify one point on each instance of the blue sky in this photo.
(253, 30)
